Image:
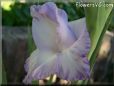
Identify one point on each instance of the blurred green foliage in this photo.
(111, 27)
(19, 15)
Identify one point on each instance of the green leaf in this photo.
(4, 80)
(97, 19)
(35, 82)
(92, 59)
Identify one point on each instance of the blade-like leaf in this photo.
(97, 23)
(96, 18)
(92, 59)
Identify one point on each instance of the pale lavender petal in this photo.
(34, 11)
(44, 34)
(73, 62)
(49, 10)
(31, 59)
(36, 59)
(44, 27)
(69, 68)
(75, 57)
(82, 44)
(63, 46)
(63, 15)
(45, 70)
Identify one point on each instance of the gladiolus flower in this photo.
(62, 46)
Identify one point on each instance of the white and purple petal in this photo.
(36, 59)
(63, 46)
(72, 63)
(47, 33)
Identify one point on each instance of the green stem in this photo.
(4, 79)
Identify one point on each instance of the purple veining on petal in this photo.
(26, 67)
(28, 79)
(79, 73)
(86, 61)
(80, 49)
(67, 74)
(34, 11)
(80, 76)
(58, 65)
(50, 10)
(63, 15)
(83, 42)
(72, 65)
(60, 71)
(38, 75)
(83, 55)
(88, 74)
(72, 32)
(44, 70)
